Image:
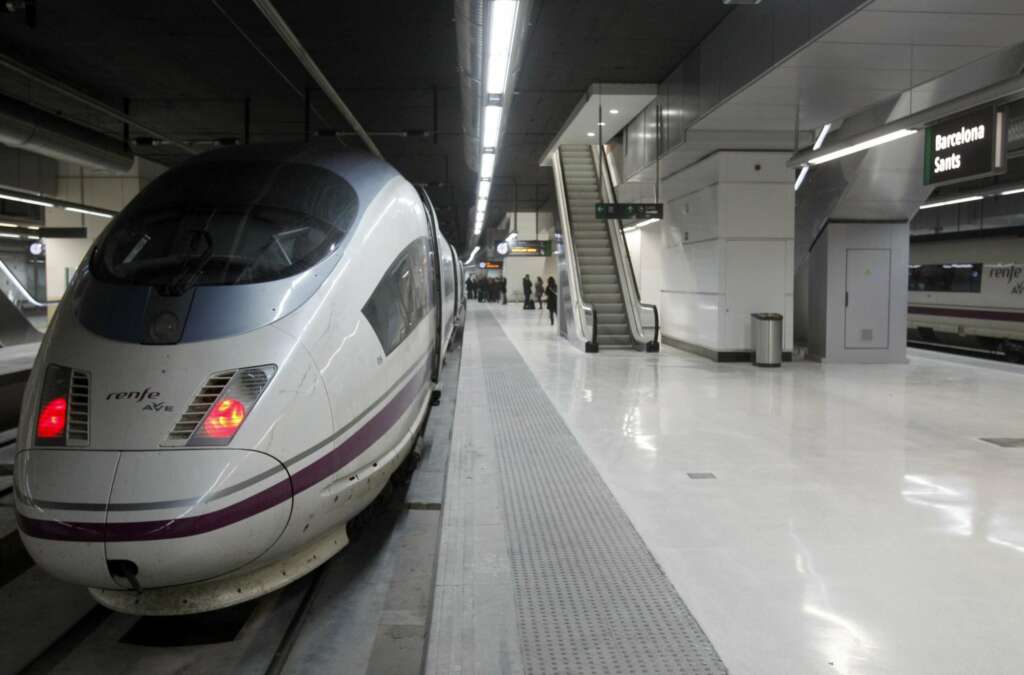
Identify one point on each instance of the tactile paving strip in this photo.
(590, 597)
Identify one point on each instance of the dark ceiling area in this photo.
(191, 68)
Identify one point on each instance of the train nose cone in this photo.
(183, 516)
(178, 516)
(61, 501)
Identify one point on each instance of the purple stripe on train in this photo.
(303, 479)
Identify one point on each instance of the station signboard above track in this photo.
(965, 147)
(606, 211)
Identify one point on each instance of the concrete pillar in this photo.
(723, 251)
(104, 189)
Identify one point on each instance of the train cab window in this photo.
(227, 222)
(402, 297)
(946, 278)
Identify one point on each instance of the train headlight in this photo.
(221, 406)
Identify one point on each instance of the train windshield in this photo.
(228, 222)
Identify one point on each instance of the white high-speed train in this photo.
(968, 293)
(241, 362)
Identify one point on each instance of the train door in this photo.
(867, 298)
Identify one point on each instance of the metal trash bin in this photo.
(767, 333)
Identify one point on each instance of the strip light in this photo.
(25, 200)
(492, 125)
(487, 165)
(485, 189)
(472, 255)
(1016, 191)
(499, 44)
(87, 212)
(818, 142)
(863, 145)
(950, 202)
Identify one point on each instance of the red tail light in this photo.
(224, 419)
(53, 418)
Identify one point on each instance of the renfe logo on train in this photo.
(969, 146)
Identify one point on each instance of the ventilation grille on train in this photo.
(196, 411)
(78, 409)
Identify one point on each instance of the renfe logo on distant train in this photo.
(1010, 273)
(965, 147)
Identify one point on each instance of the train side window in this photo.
(402, 297)
(946, 278)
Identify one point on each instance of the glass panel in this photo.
(230, 222)
(946, 278)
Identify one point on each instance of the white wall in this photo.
(723, 251)
(104, 189)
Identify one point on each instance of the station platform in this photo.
(628, 512)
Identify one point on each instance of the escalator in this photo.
(605, 300)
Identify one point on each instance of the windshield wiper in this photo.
(195, 260)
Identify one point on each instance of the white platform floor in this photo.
(856, 523)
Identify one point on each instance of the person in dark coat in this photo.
(527, 290)
(538, 292)
(551, 295)
(503, 285)
(470, 287)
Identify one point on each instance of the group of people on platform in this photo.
(487, 289)
(535, 293)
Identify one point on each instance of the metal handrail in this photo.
(21, 288)
(580, 307)
(621, 248)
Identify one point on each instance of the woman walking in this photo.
(538, 292)
(551, 295)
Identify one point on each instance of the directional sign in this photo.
(605, 211)
(966, 147)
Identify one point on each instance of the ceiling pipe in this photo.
(290, 39)
(27, 128)
(469, 41)
(69, 92)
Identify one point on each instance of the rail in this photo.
(627, 281)
(579, 306)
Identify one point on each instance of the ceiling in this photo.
(188, 67)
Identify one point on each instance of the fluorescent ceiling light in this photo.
(863, 145)
(499, 43)
(24, 200)
(591, 134)
(1017, 191)
(481, 205)
(511, 236)
(487, 165)
(801, 177)
(950, 202)
(87, 212)
(10, 236)
(821, 137)
(484, 190)
(492, 125)
(614, 111)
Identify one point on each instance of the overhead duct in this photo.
(27, 128)
(469, 37)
